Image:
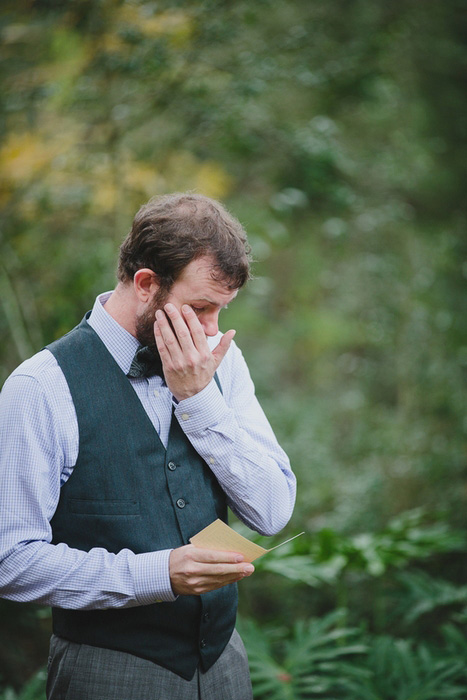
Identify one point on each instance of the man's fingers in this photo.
(188, 362)
(194, 570)
(160, 343)
(221, 571)
(224, 344)
(217, 563)
(168, 335)
(196, 329)
(183, 335)
(215, 556)
(182, 331)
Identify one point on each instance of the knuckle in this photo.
(197, 585)
(191, 361)
(191, 569)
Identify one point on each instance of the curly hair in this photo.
(172, 230)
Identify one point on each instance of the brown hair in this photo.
(172, 230)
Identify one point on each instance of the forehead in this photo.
(196, 281)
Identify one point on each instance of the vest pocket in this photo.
(111, 507)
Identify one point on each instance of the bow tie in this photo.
(146, 363)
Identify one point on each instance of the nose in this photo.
(210, 324)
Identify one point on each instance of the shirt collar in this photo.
(119, 342)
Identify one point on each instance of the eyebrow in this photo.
(209, 301)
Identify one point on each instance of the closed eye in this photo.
(200, 309)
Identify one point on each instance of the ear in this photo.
(145, 284)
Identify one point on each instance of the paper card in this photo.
(221, 537)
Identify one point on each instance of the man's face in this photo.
(194, 287)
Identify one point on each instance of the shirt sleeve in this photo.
(32, 460)
(232, 434)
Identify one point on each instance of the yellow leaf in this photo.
(105, 197)
(113, 43)
(23, 156)
(184, 171)
(143, 178)
(212, 180)
(176, 25)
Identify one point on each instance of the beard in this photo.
(145, 321)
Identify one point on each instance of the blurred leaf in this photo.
(426, 594)
(318, 658)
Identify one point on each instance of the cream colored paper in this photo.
(221, 537)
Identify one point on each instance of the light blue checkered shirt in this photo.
(39, 447)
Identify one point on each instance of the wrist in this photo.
(202, 410)
(151, 575)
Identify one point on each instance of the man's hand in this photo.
(188, 363)
(194, 570)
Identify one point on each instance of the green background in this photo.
(336, 132)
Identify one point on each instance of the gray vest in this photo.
(128, 491)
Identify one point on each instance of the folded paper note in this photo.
(222, 538)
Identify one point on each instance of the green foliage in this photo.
(330, 570)
(456, 642)
(25, 633)
(321, 659)
(316, 661)
(34, 689)
(426, 594)
(404, 671)
(335, 131)
(326, 556)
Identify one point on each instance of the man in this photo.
(111, 461)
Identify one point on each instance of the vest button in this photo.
(172, 466)
(202, 643)
(181, 503)
(206, 617)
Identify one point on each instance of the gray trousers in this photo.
(82, 672)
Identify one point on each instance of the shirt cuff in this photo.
(152, 578)
(204, 409)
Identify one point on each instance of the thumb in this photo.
(220, 350)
